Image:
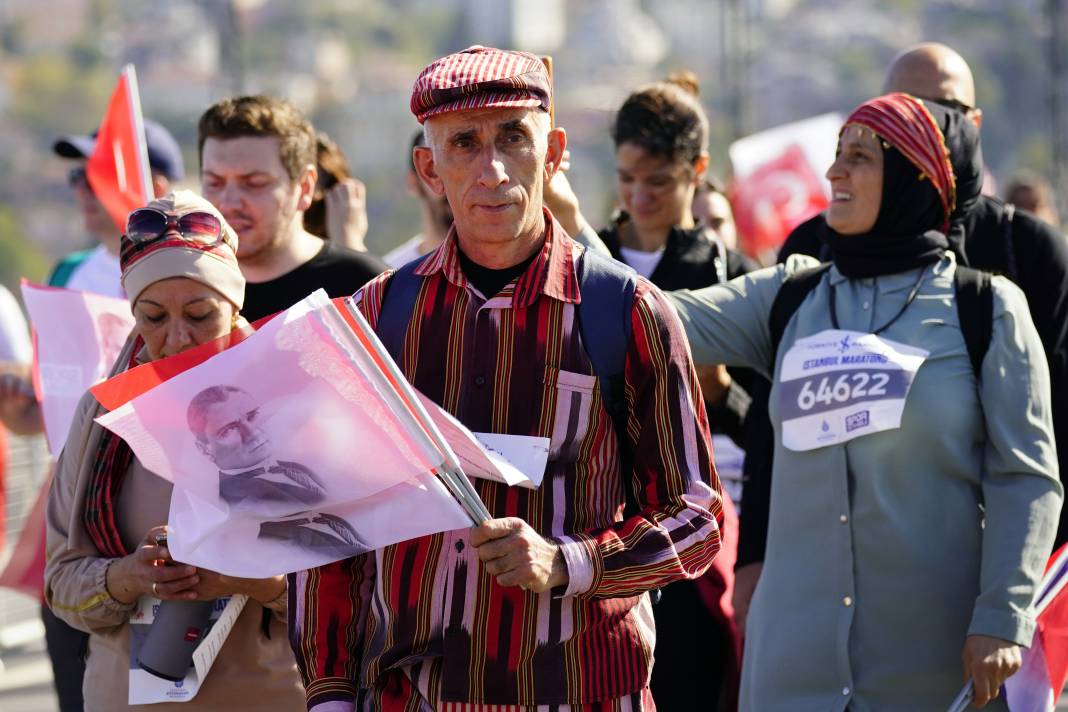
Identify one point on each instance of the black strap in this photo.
(975, 310)
(607, 289)
(398, 303)
(791, 294)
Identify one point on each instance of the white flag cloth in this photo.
(287, 451)
(77, 336)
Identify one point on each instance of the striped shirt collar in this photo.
(551, 273)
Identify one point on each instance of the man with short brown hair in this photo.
(257, 166)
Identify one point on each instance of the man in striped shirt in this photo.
(547, 605)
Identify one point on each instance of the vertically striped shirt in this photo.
(514, 363)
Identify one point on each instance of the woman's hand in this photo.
(989, 662)
(150, 571)
(19, 410)
(715, 382)
(745, 583)
(346, 214)
(211, 585)
(561, 200)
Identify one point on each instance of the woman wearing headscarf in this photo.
(914, 500)
(179, 268)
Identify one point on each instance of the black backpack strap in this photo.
(604, 314)
(793, 291)
(607, 289)
(398, 302)
(975, 310)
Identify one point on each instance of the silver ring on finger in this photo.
(155, 591)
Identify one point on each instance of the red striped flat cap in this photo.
(481, 78)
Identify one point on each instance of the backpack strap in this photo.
(792, 292)
(975, 310)
(607, 289)
(398, 302)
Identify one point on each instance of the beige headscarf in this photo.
(214, 266)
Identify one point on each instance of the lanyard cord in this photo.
(912, 296)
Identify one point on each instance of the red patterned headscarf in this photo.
(905, 123)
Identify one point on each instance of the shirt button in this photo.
(480, 380)
(845, 691)
(847, 601)
(843, 519)
(867, 304)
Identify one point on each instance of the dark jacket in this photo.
(690, 262)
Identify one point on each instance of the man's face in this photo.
(233, 436)
(95, 217)
(492, 166)
(712, 211)
(244, 178)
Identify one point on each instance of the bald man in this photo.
(936, 72)
(997, 238)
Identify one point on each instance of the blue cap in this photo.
(164, 155)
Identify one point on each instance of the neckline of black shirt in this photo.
(491, 281)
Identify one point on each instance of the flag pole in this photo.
(129, 73)
(410, 408)
(1053, 582)
(452, 469)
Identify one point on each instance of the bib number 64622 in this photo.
(844, 388)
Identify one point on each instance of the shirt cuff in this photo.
(331, 694)
(1013, 627)
(333, 706)
(579, 552)
(108, 602)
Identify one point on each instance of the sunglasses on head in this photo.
(147, 224)
(955, 105)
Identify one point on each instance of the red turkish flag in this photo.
(118, 170)
(774, 199)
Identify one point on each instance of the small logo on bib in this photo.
(857, 420)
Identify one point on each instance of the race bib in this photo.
(838, 385)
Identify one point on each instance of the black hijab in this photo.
(907, 231)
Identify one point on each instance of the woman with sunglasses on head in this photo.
(915, 494)
(106, 511)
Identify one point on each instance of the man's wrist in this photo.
(559, 575)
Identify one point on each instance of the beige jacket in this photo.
(253, 671)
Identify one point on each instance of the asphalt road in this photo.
(26, 681)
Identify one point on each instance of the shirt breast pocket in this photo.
(573, 412)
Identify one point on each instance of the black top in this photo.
(490, 281)
(1026, 250)
(689, 262)
(338, 270)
